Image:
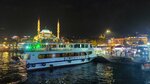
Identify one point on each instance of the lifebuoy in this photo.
(33, 65)
(43, 64)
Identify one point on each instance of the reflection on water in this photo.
(90, 73)
(81, 74)
(5, 60)
(104, 74)
(10, 71)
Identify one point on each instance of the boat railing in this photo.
(55, 49)
(55, 46)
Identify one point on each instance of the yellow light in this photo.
(4, 42)
(5, 38)
(58, 29)
(6, 46)
(108, 31)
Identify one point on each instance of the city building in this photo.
(137, 40)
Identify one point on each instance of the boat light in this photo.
(28, 47)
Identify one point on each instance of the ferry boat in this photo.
(49, 55)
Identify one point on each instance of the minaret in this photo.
(38, 27)
(58, 29)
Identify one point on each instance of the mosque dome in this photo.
(46, 31)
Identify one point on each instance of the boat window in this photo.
(82, 45)
(70, 54)
(62, 46)
(49, 56)
(86, 46)
(61, 54)
(90, 52)
(40, 56)
(58, 55)
(76, 54)
(64, 54)
(53, 46)
(43, 56)
(83, 53)
(71, 46)
(90, 46)
(77, 46)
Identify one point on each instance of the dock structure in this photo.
(137, 55)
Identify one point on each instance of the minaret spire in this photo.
(58, 29)
(38, 26)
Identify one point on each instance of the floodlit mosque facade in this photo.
(46, 34)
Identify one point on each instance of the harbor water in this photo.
(90, 73)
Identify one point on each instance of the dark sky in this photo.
(84, 18)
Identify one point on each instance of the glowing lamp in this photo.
(28, 47)
(38, 46)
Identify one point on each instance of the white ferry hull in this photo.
(60, 63)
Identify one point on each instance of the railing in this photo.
(54, 46)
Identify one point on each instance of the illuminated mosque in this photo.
(46, 34)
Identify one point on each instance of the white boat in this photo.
(49, 55)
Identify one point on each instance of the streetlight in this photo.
(108, 31)
(107, 35)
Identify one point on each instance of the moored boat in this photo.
(49, 55)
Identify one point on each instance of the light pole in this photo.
(107, 34)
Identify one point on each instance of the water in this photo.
(90, 73)
(11, 71)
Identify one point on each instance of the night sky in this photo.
(78, 18)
